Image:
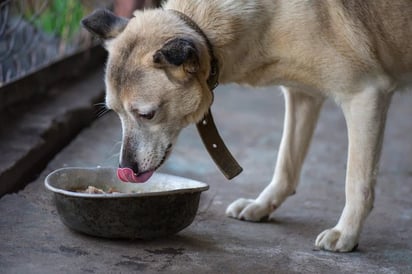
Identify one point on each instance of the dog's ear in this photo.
(104, 24)
(178, 52)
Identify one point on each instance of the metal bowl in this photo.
(162, 206)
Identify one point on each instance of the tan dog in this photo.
(357, 52)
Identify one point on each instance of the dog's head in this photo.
(155, 81)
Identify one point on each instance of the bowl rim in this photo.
(50, 187)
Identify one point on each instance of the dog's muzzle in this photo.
(128, 172)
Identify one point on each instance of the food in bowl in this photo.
(95, 190)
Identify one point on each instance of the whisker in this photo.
(102, 112)
(101, 109)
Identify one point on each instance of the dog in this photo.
(356, 52)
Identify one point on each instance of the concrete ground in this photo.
(33, 239)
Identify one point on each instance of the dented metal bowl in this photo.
(162, 206)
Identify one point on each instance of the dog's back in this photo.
(384, 26)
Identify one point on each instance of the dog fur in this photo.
(357, 52)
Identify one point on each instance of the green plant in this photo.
(60, 17)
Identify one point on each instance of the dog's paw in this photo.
(334, 240)
(248, 210)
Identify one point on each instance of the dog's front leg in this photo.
(365, 115)
(301, 115)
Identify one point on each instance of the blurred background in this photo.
(35, 33)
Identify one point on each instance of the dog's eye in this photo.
(148, 116)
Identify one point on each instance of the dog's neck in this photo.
(225, 23)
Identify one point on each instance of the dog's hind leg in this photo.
(365, 115)
(301, 115)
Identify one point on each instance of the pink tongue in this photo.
(127, 175)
